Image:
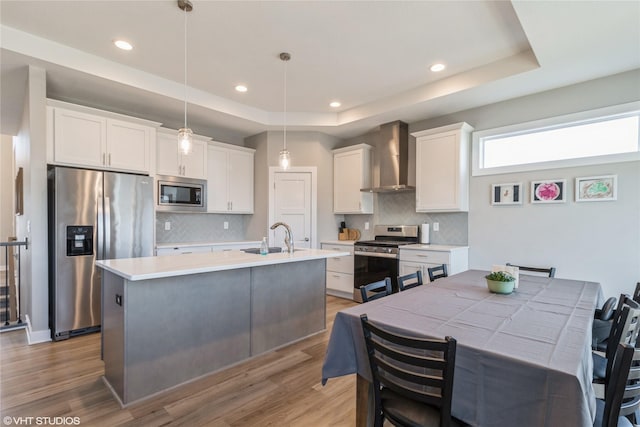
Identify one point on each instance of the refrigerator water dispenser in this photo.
(79, 240)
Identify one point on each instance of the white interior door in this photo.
(292, 203)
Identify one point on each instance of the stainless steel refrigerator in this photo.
(93, 215)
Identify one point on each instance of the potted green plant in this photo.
(500, 282)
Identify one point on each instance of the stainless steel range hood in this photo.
(391, 160)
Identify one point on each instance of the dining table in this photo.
(522, 359)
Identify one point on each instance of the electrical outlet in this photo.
(366, 225)
(167, 226)
(225, 225)
(436, 226)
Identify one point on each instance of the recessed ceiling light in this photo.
(437, 67)
(124, 45)
(335, 104)
(241, 88)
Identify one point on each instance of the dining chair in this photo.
(631, 398)
(375, 290)
(437, 272)
(602, 320)
(608, 411)
(549, 271)
(636, 293)
(624, 330)
(412, 377)
(409, 281)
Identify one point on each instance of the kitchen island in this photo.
(168, 320)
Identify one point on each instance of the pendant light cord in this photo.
(285, 105)
(185, 66)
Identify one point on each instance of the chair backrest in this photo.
(437, 272)
(376, 290)
(636, 293)
(608, 309)
(399, 362)
(549, 271)
(409, 281)
(624, 330)
(631, 398)
(614, 394)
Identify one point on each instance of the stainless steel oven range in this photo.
(379, 258)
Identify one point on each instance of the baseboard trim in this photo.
(36, 337)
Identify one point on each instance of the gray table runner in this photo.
(523, 359)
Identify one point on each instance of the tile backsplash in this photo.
(196, 228)
(400, 209)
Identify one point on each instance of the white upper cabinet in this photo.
(171, 161)
(229, 179)
(351, 172)
(81, 138)
(129, 146)
(442, 168)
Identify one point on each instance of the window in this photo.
(584, 138)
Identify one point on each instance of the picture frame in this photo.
(19, 201)
(549, 191)
(506, 194)
(603, 188)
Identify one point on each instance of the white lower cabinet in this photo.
(420, 259)
(234, 246)
(340, 271)
(180, 250)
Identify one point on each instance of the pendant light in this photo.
(185, 135)
(285, 156)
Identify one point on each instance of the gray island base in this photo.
(161, 332)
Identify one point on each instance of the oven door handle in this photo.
(376, 254)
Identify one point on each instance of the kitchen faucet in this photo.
(288, 237)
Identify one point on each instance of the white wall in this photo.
(30, 152)
(307, 149)
(590, 241)
(595, 241)
(7, 179)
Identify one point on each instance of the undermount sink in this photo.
(272, 250)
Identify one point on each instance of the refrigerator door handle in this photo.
(107, 227)
(100, 229)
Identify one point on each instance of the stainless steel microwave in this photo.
(178, 194)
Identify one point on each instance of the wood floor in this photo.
(280, 388)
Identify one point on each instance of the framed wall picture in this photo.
(597, 188)
(506, 194)
(549, 191)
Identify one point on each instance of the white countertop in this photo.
(168, 266)
(192, 244)
(440, 248)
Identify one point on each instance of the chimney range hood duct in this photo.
(391, 160)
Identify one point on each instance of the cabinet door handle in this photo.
(103, 158)
(422, 256)
(231, 204)
(109, 159)
(336, 276)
